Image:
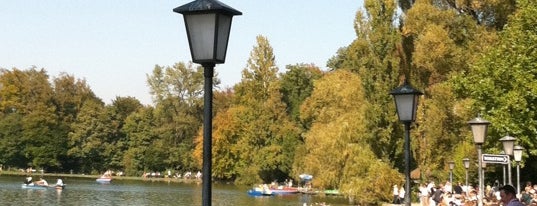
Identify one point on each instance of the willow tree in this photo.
(335, 151)
(376, 56)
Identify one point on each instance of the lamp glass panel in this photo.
(224, 26)
(508, 147)
(517, 153)
(406, 104)
(201, 35)
(479, 131)
(466, 163)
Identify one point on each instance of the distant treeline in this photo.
(338, 125)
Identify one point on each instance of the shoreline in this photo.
(151, 179)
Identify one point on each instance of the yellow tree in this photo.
(335, 151)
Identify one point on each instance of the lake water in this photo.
(83, 191)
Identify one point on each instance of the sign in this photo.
(495, 159)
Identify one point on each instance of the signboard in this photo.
(495, 159)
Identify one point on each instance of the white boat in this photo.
(104, 179)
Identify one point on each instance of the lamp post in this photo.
(508, 144)
(483, 169)
(466, 163)
(517, 153)
(406, 103)
(208, 23)
(451, 166)
(479, 130)
(503, 168)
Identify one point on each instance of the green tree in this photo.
(501, 84)
(89, 138)
(178, 111)
(139, 128)
(296, 86)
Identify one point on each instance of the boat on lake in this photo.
(261, 190)
(42, 187)
(281, 190)
(105, 178)
(34, 186)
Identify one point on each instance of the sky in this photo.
(115, 44)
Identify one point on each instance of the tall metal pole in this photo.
(480, 172)
(407, 163)
(504, 178)
(451, 180)
(466, 183)
(509, 174)
(207, 133)
(517, 177)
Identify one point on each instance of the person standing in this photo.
(508, 196)
(395, 195)
(402, 195)
(424, 195)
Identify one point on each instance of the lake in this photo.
(84, 191)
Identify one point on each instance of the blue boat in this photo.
(259, 191)
(34, 186)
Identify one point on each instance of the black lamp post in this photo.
(451, 167)
(479, 130)
(508, 144)
(406, 103)
(208, 23)
(466, 163)
(517, 154)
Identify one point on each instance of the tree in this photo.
(266, 138)
(336, 152)
(89, 139)
(501, 84)
(297, 85)
(178, 111)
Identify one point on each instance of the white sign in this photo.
(495, 159)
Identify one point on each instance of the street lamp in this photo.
(406, 103)
(479, 130)
(451, 166)
(503, 168)
(466, 163)
(508, 143)
(208, 23)
(517, 153)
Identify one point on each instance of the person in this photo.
(508, 196)
(438, 194)
(402, 195)
(42, 182)
(59, 182)
(424, 195)
(458, 188)
(28, 180)
(395, 195)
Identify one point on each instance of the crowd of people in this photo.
(431, 194)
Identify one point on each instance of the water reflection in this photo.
(132, 193)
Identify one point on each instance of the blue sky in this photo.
(114, 44)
